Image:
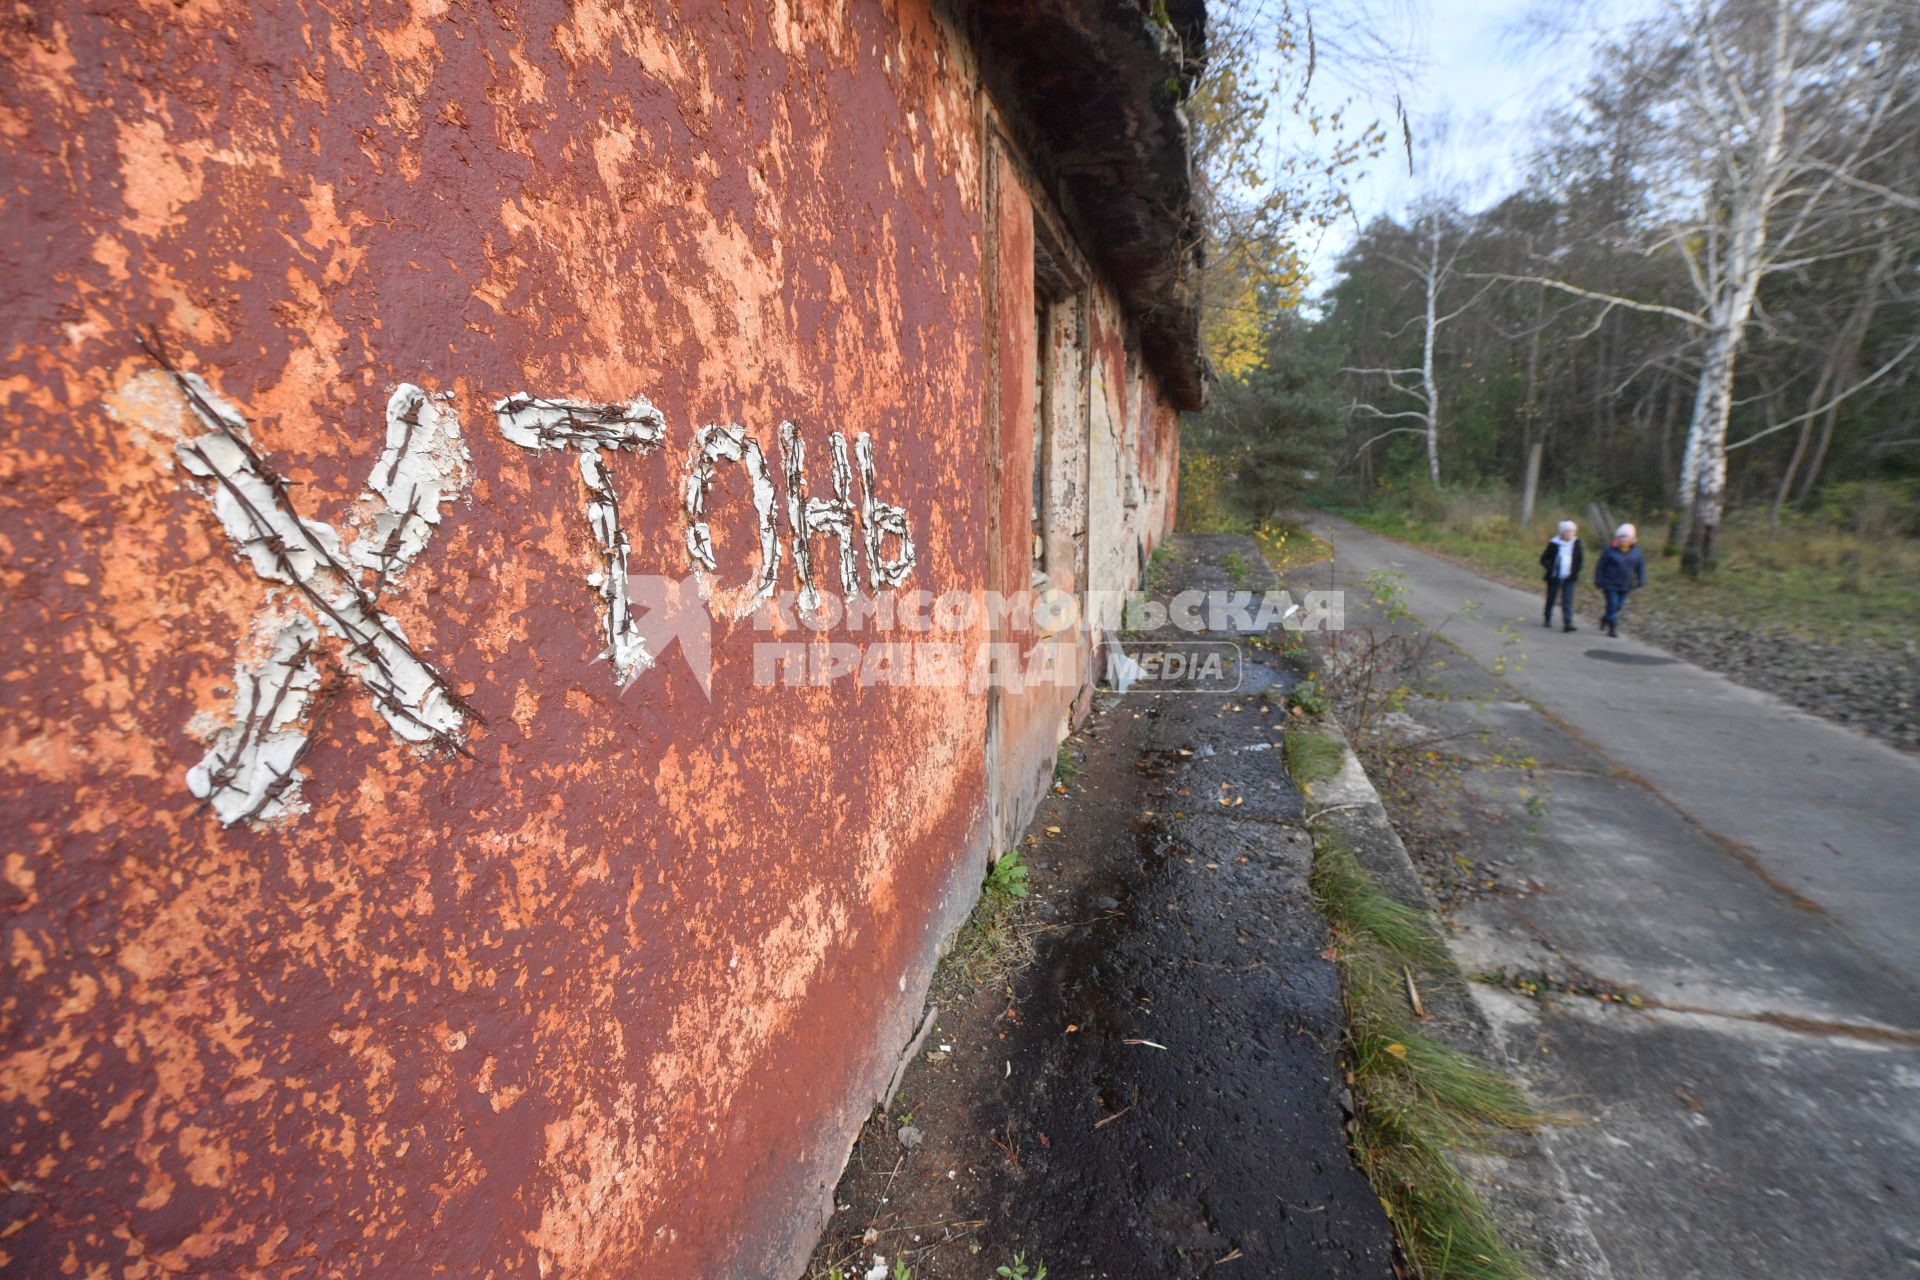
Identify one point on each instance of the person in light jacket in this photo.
(1622, 569)
(1561, 560)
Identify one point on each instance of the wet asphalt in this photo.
(1173, 1094)
(1158, 1093)
(1195, 1111)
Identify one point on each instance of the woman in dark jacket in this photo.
(1621, 569)
(1562, 560)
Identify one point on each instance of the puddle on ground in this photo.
(1631, 659)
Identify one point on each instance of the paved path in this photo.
(1751, 872)
(1828, 816)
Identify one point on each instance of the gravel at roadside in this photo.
(1873, 687)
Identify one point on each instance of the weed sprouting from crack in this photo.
(998, 938)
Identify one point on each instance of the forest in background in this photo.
(1699, 309)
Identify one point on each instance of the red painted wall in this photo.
(610, 993)
(1028, 719)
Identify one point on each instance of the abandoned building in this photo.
(418, 417)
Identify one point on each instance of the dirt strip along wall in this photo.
(383, 889)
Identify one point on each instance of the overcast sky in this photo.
(1475, 90)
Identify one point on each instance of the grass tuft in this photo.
(1415, 1099)
(1067, 767)
(998, 938)
(1391, 931)
(1309, 698)
(1442, 1223)
(1311, 757)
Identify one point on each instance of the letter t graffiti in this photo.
(534, 423)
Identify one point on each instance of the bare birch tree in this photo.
(1433, 271)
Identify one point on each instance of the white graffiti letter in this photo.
(251, 768)
(879, 520)
(807, 516)
(713, 444)
(534, 423)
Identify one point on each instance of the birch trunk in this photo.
(1755, 187)
(1703, 475)
(1425, 392)
(1427, 381)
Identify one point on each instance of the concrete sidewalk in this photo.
(1607, 824)
(1824, 814)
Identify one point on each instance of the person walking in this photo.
(1562, 560)
(1622, 569)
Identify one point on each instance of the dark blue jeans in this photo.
(1616, 605)
(1560, 591)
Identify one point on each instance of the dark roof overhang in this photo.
(1093, 90)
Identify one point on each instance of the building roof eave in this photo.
(1095, 90)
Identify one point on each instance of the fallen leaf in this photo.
(1397, 1049)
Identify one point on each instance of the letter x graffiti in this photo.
(252, 767)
